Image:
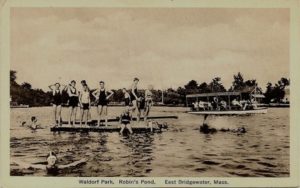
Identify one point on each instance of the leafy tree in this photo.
(204, 88)
(277, 92)
(216, 85)
(26, 86)
(13, 77)
(238, 82)
(191, 87)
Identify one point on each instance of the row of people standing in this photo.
(82, 99)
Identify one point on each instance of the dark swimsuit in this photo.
(57, 98)
(127, 101)
(125, 119)
(73, 100)
(132, 96)
(102, 98)
(52, 170)
(142, 104)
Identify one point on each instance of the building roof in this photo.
(213, 94)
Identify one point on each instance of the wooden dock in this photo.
(93, 122)
(110, 128)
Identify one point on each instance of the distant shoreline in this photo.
(271, 105)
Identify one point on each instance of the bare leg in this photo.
(147, 111)
(54, 112)
(70, 114)
(98, 113)
(86, 116)
(59, 114)
(75, 111)
(105, 114)
(81, 116)
(135, 107)
(122, 128)
(100, 109)
(128, 126)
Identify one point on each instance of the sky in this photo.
(164, 47)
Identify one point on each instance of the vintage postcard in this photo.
(149, 93)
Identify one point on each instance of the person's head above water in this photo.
(51, 158)
(33, 119)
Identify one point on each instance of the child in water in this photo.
(125, 121)
(51, 167)
(33, 124)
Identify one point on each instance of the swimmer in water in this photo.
(156, 125)
(51, 167)
(205, 129)
(33, 124)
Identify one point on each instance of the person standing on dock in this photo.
(73, 101)
(85, 103)
(126, 97)
(102, 95)
(83, 83)
(57, 101)
(135, 98)
(148, 102)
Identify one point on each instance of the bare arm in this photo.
(80, 98)
(64, 87)
(111, 93)
(73, 164)
(51, 87)
(26, 166)
(95, 93)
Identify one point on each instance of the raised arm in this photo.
(51, 87)
(64, 87)
(73, 164)
(95, 93)
(110, 94)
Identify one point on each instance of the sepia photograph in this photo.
(148, 92)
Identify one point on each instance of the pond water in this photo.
(180, 151)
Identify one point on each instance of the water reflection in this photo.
(140, 147)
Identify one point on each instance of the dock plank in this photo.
(111, 128)
(91, 122)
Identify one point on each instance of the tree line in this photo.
(25, 94)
